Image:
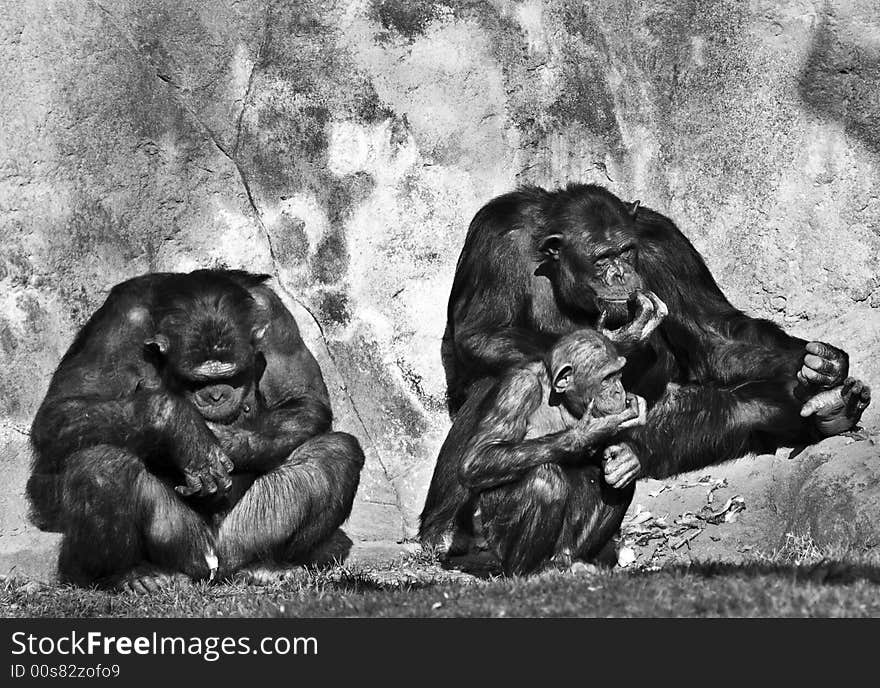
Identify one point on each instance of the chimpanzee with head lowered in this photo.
(542, 466)
(186, 434)
(539, 264)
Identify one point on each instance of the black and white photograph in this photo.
(435, 309)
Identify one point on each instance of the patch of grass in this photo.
(797, 580)
(800, 549)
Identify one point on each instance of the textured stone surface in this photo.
(827, 497)
(344, 146)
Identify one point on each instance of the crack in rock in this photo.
(250, 84)
(231, 156)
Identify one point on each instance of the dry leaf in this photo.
(685, 539)
(663, 488)
(641, 518)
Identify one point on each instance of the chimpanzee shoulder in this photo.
(291, 368)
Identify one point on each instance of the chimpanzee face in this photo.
(218, 386)
(610, 397)
(207, 351)
(592, 258)
(221, 399)
(607, 264)
(604, 390)
(220, 372)
(585, 368)
(599, 269)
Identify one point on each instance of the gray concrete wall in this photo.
(344, 146)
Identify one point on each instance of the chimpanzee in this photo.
(719, 384)
(540, 467)
(186, 434)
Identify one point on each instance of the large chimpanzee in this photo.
(546, 479)
(537, 265)
(187, 433)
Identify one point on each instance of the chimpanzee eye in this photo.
(628, 254)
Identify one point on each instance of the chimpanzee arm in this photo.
(279, 432)
(491, 296)
(712, 340)
(144, 421)
(499, 452)
(106, 392)
(296, 403)
(738, 375)
(164, 430)
(695, 426)
(714, 343)
(494, 351)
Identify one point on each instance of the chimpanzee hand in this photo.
(649, 313)
(636, 410)
(620, 465)
(840, 409)
(207, 475)
(232, 441)
(824, 366)
(633, 415)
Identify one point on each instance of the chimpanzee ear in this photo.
(262, 315)
(562, 377)
(262, 304)
(634, 208)
(158, 342)
(550, 246)
(259, 332)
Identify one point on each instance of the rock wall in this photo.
(343, 147)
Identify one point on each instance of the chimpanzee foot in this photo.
(856, 397)
(271, 574)
(839, 409)
(461, 544)
(464, 543)
(583, 568)
(147, 579)
(563, 562)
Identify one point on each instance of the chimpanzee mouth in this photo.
(615, 313)
(219, 403)
(220, 413)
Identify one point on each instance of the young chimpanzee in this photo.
(719, 384)
(542, 466)
(186, 434)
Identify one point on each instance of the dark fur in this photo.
(113, 435)
(545, 495)
(553, 509)
(733, 374)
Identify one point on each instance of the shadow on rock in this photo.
(841, 81)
